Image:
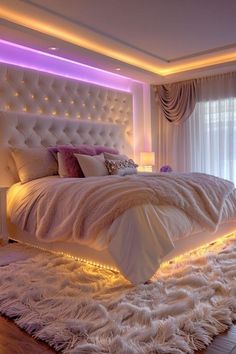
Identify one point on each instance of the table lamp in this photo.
(147, 160)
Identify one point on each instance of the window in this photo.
(210, 138)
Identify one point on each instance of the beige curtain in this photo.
(177, 100)
(206, 140)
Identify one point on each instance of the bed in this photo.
(138, 237)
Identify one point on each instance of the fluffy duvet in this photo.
(78, 209)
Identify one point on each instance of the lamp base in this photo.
(145, 169)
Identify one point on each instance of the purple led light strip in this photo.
(15, 54)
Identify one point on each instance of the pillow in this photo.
(71, 167)
(121, 167)
(109, 156)
(92, 165)
(62, 168)
(101, 149)
(33, 163)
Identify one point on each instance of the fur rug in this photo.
(80, 309)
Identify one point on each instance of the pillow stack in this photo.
(71, 161)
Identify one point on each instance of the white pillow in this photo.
(92, 165)
(33, 163)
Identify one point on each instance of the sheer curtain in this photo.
(206, 141)
(210, 138)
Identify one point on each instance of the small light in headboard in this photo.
(72, 101)
(32, 96)
(24, 109)
(89, 118)
(78, 116)
(7, 106)
(46, 98)
(54, 113)
(16, 94)
(67, 114)
(59, 100)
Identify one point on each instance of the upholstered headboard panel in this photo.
(28, 91)
(22, 130)
(58, 110)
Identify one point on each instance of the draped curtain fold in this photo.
(204, 140)
(177, 100)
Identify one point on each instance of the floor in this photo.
(15, 341)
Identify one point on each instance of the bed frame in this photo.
(59, 110)
(21, 130)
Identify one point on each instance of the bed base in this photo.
(104, 259)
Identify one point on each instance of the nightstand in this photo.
(3, 215)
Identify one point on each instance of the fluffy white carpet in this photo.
(80, 309)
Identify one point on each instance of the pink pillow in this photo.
(70, 162)
(102, 149)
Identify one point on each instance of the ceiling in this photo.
(154, 41)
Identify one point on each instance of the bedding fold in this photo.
(78, 209)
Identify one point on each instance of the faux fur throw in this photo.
(85, 206)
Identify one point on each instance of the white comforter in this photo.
(48, 208)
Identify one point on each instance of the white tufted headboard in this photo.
(29, 91)
(58, 110)
(21, 130)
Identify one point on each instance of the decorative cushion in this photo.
(92, 165)
(33, 163)
(121, 167)
(71, 167)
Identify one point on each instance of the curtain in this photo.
(206, 141)
(177, 100)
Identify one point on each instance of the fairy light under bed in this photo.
(168, 268)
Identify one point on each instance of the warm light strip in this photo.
(87, 42)
(197, 251)
(83, 260)
(200, 63)
(69, 36)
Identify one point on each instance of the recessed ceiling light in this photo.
(53, 48)
(117, 69)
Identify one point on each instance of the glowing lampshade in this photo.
(147, 160)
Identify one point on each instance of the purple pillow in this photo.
(71, 164)
(102, 149)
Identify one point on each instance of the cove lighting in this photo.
(15, 54)
(67, 32)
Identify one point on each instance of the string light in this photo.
(83, 260)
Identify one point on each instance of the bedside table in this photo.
(3, 216)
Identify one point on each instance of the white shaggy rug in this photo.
(80, 309)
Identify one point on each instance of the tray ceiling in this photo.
(152, 41)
